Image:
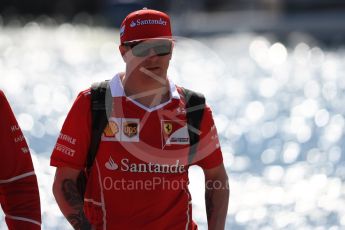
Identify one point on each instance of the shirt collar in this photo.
(117, 89)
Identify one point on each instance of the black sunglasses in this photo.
(142, 49)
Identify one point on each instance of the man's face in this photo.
(148, 57)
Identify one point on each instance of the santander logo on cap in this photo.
(133, 24)
(145, 24)
(141, 22)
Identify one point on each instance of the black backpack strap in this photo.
(195, 105)
(99, 92)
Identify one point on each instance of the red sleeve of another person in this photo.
(73, 142)
(209, 154)
(19, 195)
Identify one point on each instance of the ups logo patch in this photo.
(130, 129)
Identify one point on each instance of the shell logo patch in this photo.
(111, 129)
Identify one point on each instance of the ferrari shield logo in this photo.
(174, 132)
(167, 127)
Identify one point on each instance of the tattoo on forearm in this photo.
(79, 221)
(71, 194)
(73, 198)
(209, 203)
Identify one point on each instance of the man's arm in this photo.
(217, 197)
(68, 198)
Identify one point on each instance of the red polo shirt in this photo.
(139, 179)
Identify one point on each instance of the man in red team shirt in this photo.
(139, 179)
(19, 195)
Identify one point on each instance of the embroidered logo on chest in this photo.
(174, 132)
(130, 129)
(111, 129)
(122, 129)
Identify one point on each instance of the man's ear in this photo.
(123, 50)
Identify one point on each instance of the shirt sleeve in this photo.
(18, 183)
(73, 142)
(209, 154)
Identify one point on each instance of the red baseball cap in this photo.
(145, 24)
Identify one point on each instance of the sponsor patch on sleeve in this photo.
(64, 149)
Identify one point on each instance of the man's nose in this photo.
(152, 53)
